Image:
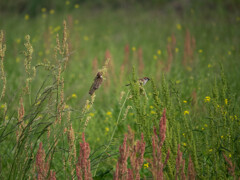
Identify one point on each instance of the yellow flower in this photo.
(205, 125)
(184, 101)
(222, 137)
(74, 96)
(88, 106)
(186, 112)
(151, 107)
(179, 27)
(76, 6)
(209, 65)
(153, 112)
(178, 81)
(202, 128)
(229, 53)
(91, 114)
(200, 50)
(67, 2)
(176, 50)
(66, 106)
(106, 129)
(2, 106)
(26, 17)
(17, 60)
(133, 48)
(52, 11)
(184, 144)
(183, 134)
(145, 165)
(43, 10)
(230, 155)
(210, 150)
(226, 101)
(159, 52)
(109, 113)
(155, 57)
(85, 38)
(207, 99)
(131, 114)
(18, 40)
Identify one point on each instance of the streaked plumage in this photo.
(96, 84)
(142, 81)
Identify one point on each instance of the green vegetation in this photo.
(48, 66)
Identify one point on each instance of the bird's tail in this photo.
(127, 84)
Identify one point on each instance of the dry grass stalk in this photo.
(21, 113)
(140, 62)
(41, 166)
(2, 55)
(83, 168)
(95, 65)
(231, 167)
(189, 47)
(156, 163)
(180, 165)
(121, 168)
(191, 170)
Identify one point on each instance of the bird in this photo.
(96, 83)
(142, 81)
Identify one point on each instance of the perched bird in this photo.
(97, 82)
(142, 81)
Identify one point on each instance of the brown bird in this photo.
(97, 82)
(142, 81)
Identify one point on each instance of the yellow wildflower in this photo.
(184, 101)
(153, 112)
(133, 48)
(207, 99)
(52, 11)
(205, 125)
(229, 53)
(88, 106)
(184, 144)
(67, 2)
(202, 128)
(26, 17)
(17, 60)
(74, 96)
(85, 38)
(186, 112)
(2, 106)
(230, 155)
(179, 27)
(91, 114)
(159, 52)
(109, 113)
(183, 134)
(226, 101)
(106, 129)
(18, 41)
(155, 57)
(43, 10)
(176, 50)
(178, 81)
(200, 50)
(76, 6)
(151, 107)
(210, 150)
(145, 165)
(131, 114)
(222, 137)
(66, 106)
(209, 65)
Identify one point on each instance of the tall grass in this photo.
(186, 117)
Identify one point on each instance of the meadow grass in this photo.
(191, 58)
